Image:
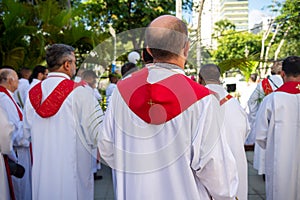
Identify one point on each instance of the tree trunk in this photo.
(281, 42)
(268, 48)
(201, 4)
(179, 9)
(265, 36)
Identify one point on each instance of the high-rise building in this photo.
(236, 11)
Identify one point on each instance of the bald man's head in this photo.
(9, 79)
(209, 74)
(166, 36)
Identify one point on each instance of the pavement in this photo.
(256, 185)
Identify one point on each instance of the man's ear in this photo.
(66, 65)
(186, 49)
(283, 75)
(148, 50)
(10, 80)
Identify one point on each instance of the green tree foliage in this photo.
(222, 26)
(290, 18)
(124, 15)
(236, 50)
(28, 26)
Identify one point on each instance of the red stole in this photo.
(225, 99)
(11, 188)
(266, 86)
(53, 102)
(291, 87)
(4, 90)
(162, 101)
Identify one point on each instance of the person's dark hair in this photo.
(6, 67)
(165, 43)
(276, 67)
(24, 72)
(113, 77)
(57, 54)
(253, 77)
(209, 73)
(291, 66)
(128, 68)
(35, 72)
(147, 58)
(88, 74)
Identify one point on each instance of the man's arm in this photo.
(6, 143)
(90, 115)
(212, 160)
(262, 122)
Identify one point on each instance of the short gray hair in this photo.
(5, 74)
(167, 42)
(210, 73)
(57, 54)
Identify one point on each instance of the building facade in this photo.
(236, 11)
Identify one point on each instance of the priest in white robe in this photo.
(162, 131)
(235, 122)
(21, 93)
(265, 87)
(90, 77)
(6, 148)
(277, 131)
(21, 141)
(62, 118)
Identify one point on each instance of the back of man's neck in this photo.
(171, 61)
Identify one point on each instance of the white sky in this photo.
(259, 9)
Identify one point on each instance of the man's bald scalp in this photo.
(166, 36)
(5, 74)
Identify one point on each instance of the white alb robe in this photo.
(253, 104)
(5, 148)
(21, 141)
(109, 91)
(21, 93)
(183, 158)
(62, 144)
(236, 131)
(277, 131)
(95, 165)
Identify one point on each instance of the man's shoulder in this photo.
(23, 83)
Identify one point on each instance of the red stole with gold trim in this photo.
(51, 105)
(266, 86)
(225, 99)
(162, 101)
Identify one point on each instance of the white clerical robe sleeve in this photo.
(7, 128)
(212, 159)
(90, 115)
(105, 138)
(12, 113)
(253, 104)
(263, 121)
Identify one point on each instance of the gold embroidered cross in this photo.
(298, 87)
(150, 102)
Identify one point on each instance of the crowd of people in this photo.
(164, 135)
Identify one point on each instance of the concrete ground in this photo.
(256, 185)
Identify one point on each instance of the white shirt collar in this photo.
(58, 74)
